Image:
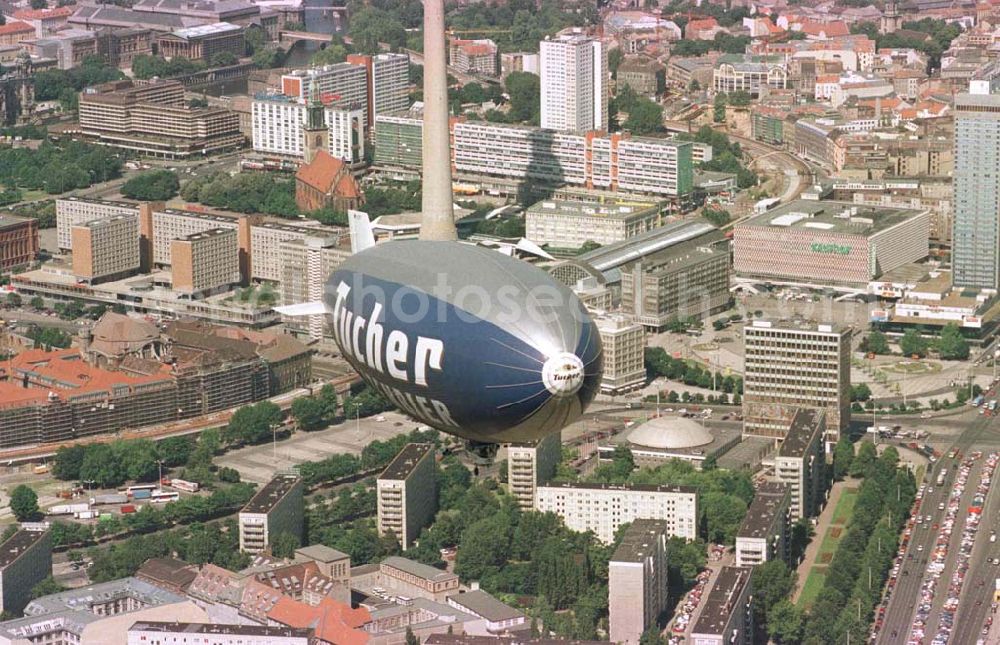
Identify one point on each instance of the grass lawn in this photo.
(812, 588)
(845, 506)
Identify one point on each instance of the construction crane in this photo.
(452, 32)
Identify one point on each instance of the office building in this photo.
(407, 500)
(531, 464)
(800, 461)
(203, 42)
(266, 246)
(305, 266)
(790, 365)
(570, 224)
(278, 123)
(205, 262)
(169, 224)
(71, 211)
(624, 343)
(388, 82)
(18, 241)
(416, 580)
(25, 560)
(398, 140)
(754, 75)
(275, 509)
(574, 71)
(764, 534)
(975, 250)
(637, 581)
(826, 242)
(473, 56)
(155, 120)
(342, 85)
(171, 633)
(106, 249)
(603, 508)
(727, 617)
(689, 279)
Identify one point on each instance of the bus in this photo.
(130, 491)
(186, 486)
(162, 496)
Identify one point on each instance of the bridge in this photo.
(293, 36)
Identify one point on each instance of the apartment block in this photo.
(790, 365)
(574, 71)
(727, 615)
(267, 240)
(388, 84)
(278, 122)
(637, 581)
(170, 224)
(569, 225)
(178, 633)
(106, 249)
(275, 509)
(477, 56)
(531, 464)
(305, 266)
(398, 140)
(689, 279)
(25, 560)
(800, 461)
(71, 211)
(764, 534)
(18, 241)
(624, 345)
(205, 262)
(406, 493)
(603, 508)
(343, 86)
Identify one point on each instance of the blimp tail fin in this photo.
(303, 309)
(361, 231)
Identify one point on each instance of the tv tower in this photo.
(438, 206)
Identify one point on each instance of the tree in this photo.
(37, 303)
(46, 587)
(156, 185)
(913, 344)
(68, 460)
(615, 58)
(525, 91)
(876, 343)
(784, 623)
(371, 26)
(723, 515)
(863, 460)
(309, 413)
(861, 392)
(716, 216)
(24, 503)
(223, 59)
(411, 638)
(330, 55)
(13, 299)
(952, 345)
(645, 117)
(253, 424)
(102, 467)
(39, 4)
(773, 582)
(284, 545)
(174, 451)
(843, 456)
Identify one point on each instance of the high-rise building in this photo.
(406, 493)
(169, 224)
(800, 461)
(637, 581)
(18, 241)
(25, 560)
(727, 615)
(278, 122)
(106, 249)
(275, 509)
(342, 85)
(305, 265)
(574, 71)
(473, 56)
(795, 364)
(624, 343)
(177, 633)
(389, 84)
(975, 253)
(71, 211)
(205, 262)
(603, 508)
(569, 225)
(531, 464)
(764, 534)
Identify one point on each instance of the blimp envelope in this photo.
(465, 339)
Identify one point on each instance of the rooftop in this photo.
(768, 500)
(639, 488)
(406, 461)
(796, 325)
(617, 210)
(639, 541)
(83, 598)
(801, 433)
(468, 639)
(204, 235)
(207, 30)
(17, 544)
(831, 217)
(12, 221)
(168, 571)
(482, 604)
(613, 256)
(721, 601)
(417, 569)
(108, 221)
(321, 553)
(273, 492)
(212, 629)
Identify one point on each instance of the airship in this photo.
(467, 340)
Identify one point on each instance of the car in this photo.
(920, 547)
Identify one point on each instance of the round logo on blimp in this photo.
(562, 374)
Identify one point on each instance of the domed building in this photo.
(672, 437)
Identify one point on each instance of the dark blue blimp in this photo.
(465, 339)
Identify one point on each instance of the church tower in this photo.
(891, 20)
(316, 133)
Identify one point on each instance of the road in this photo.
(905, 597)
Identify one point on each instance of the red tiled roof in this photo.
(699, 25)
(829, 29)
(332, 621)
(15, 28)
(42, 14)
(323, 172)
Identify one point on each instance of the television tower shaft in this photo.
(438, 207)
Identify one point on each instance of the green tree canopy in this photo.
(913, 344)
(952, 344)
(155, 185)
(876, 343)
(24, 503)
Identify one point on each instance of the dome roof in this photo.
(671, 433)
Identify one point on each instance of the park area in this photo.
(830, 541)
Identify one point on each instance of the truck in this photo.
(128, 508)
(69, 509)
(40, 470)
(86, 515)
(186, 486)
(142, 494)
(111, 499)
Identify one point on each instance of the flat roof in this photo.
(17, 544)
(612, 256)
(831, 217)
(13, 220)
(210, 628)
(202, 235)
(273, 492)
(321, 553)
(406, 461)
(105, 221)
(639, 488)
(418, 569)
(639, 541)
(801, 432)
(480, 603)
(768, 500)
(616, 210)
(207, 30)
(721, 601)
(796, 325)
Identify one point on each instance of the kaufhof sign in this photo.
(820, 247)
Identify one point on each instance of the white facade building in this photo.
(73, 211)
(390, 83)
(574, 71)
(278, 121)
